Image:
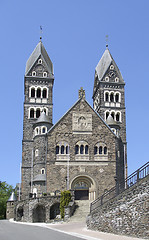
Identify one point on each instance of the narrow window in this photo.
(57, 149)
(117, 117)
(112, 114)
(36, 131)
(117, 97)
(112, 97)
(105, 150)
(43, 130)
(44, 94)
(37, 113)
(44, 74)
(40, 61)
(95, 150)
(86, 149)
(32, 113)
(107, 114)
(33, 73)
(67, 149)
(38, 93)
(81, 149)
(100, 150)
(36, 153)
(107, 97)
(62, 149)
(76, 149)
(33, 92)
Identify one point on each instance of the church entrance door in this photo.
(81, 188)
(81, 194)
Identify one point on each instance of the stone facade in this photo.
(81, 152)
(127, 214)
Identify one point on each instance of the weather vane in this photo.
(107, 40)
(40, 32)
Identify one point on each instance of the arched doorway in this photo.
(54, 210)
(39, 213)
(84, 188)
(19, 213)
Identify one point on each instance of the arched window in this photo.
(43, 130)
(62, 149)
(38, 93)
(36, 152)
(117, 97)
(86, 149)
(95, 150)
(112, 114)
(36, 131)
(33, 92)
(37, 113)
(107, 114)
(44, 93)
(57, 149)
(33, 73)
(111, 97)
(67, 150)
(42, 171)
(76, 149)
(117, 117)
(44, 74)
(100, 150)
(81, 149)
(105, 150)
(31, 113)
(107, 97)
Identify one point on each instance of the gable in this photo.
(113, 74)
(39, 68)
(81, 119)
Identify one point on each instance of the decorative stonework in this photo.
(82, 122)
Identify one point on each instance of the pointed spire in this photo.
(39, 51)
(12, 197)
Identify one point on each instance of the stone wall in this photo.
(126, 214)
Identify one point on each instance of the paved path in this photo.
(78, 229)
(13, 231)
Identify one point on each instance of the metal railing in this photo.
(135, 177)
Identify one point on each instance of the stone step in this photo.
(81, 211)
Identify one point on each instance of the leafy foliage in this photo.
(64, 201)
(5, 192)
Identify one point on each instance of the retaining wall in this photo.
(126, 214)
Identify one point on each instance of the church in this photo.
(85, 151)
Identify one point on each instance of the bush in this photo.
(5, 192)
(64, 201)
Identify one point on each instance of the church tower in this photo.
(38, 98)
(109, 97)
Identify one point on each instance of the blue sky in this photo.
(74, 36)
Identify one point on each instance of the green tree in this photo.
(64, 201)
(5, 192)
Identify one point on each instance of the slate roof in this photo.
(103, 65)
(12, 197)
(40, 178)
(43, 118)
(39, 51)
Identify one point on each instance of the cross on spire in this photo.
(107, 40)
(40, 33)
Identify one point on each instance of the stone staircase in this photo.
(82, 209)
